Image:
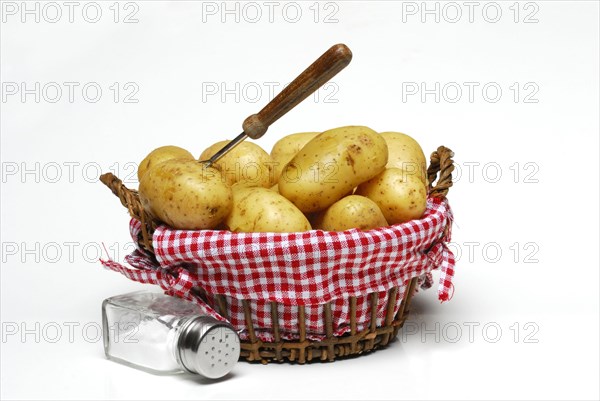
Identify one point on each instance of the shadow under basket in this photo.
(373, 318)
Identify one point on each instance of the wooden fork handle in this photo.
(322, 70)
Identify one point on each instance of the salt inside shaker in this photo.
(163, 334)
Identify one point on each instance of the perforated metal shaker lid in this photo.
(208, 347)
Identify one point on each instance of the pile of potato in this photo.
(347, 177)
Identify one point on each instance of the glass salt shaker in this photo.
(163, 334)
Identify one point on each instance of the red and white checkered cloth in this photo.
(309, 268)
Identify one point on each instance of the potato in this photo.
(286, 148)
(353, 211)
(406, 154)
(331, 165)
(160, 155)
(400, 196)
(185, 194)
(257, 209)
(247, 164)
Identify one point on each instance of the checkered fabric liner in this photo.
(308, 268)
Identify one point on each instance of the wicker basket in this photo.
(303, 349)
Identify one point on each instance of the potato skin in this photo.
(185, 194)
(406, 154)
(246, 164)
(400, 197)
(331, 165)
(352, 211)
(160, 155)
(286, 148)
(257, 209)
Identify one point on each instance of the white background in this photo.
(543, 220)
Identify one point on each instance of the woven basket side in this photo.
(332, 347)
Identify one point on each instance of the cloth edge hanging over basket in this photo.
(345, 323)
(315, 273)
